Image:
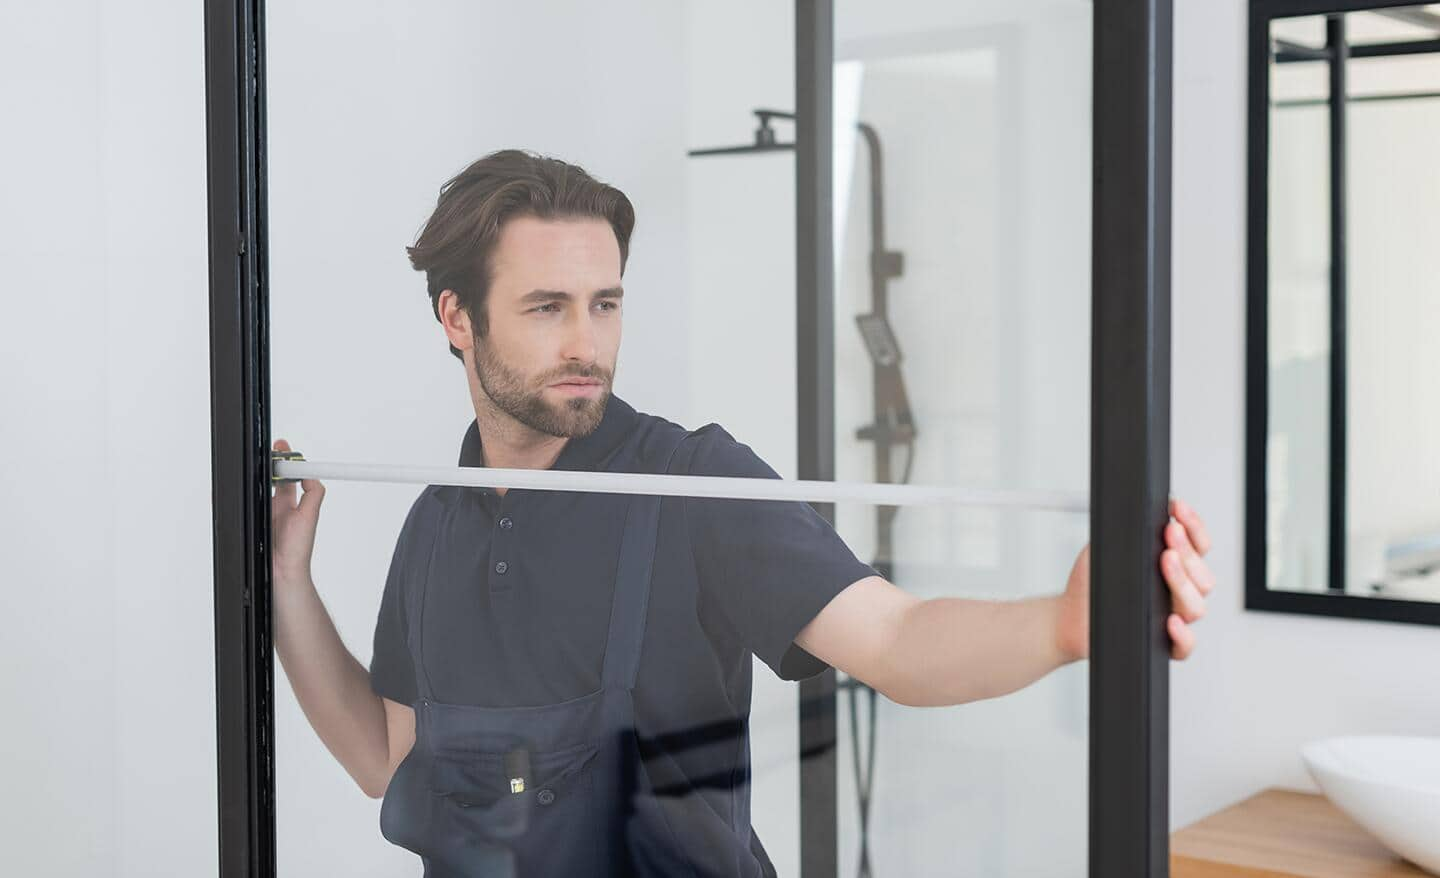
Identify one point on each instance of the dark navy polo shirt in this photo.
(518, 591)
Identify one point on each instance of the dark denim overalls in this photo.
(586, 806)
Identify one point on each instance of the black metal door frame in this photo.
(1130, 439)
(239, 435)
(815, 395)
(1129, 692)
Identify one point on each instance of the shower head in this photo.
(764, 137)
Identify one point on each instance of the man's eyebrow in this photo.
(560, 295)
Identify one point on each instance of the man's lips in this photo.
(579, 386)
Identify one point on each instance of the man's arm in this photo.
(333, 688)
(926, 653)
(368, 734)
(951, 650)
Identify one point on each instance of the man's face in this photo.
(548, 358)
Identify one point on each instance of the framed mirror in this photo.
(1343, 462)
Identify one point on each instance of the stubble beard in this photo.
(507, 389)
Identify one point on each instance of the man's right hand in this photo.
(333, 688)
(292, 526)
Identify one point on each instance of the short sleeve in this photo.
(392, 673)
(768, 566)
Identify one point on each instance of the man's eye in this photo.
(610, 306)
(544, 307)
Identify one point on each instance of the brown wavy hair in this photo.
(455, 246)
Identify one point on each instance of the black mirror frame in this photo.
(1333, 601)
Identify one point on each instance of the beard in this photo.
(526, 403)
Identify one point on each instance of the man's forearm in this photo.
(333, 688)
(954, 650)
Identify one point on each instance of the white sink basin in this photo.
(1388, 784)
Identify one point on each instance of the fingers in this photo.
(314, 494)
(284, 491)
(1182, 639)
(314, 489)
(1196, 569)
(1188, 602)
(1200, 573)
(1196, 532)
(1176, 537)
(1186, 573)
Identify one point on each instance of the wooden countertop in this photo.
(1282, 834)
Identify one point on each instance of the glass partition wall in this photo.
(879, 265)
(962, 359)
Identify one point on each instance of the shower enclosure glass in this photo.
(963, 240)
(863, 247)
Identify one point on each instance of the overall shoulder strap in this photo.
(632, 576)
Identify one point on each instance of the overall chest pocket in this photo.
(553, 820)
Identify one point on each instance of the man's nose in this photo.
(580, 340)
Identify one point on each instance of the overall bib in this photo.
(554, 789)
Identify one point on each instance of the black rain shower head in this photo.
(764, 137)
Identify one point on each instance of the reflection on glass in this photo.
(1390, 469)
(1299, 284)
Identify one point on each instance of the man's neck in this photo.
(508, 444)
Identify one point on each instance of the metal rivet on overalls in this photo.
(501, 566)
(506, 523)
(545, 797)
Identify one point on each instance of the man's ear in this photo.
(455, 319)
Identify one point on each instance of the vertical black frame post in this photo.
(1130, 435)
(239, 427)
(815, 393)
(1339, 52)
(1257, 310)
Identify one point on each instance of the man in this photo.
(561, 681)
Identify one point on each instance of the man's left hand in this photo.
(1182, 564)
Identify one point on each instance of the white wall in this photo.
(57, 539)
(109, 661)
(1261, 684)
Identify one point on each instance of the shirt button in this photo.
(506, 523)
(545, 797)
(501, 566)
